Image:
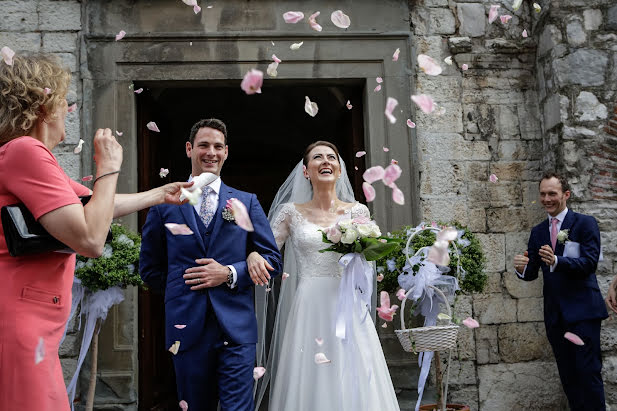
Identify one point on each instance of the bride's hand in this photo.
(258, 268)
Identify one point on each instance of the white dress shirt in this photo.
(216, 187)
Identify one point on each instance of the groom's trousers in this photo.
(215, 369)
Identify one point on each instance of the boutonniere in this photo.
(227, 213)
(562, 236)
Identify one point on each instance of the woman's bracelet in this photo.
(105, 175)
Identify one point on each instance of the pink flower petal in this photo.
(390, 106)
(241, 215)
(391, 174)
(385, 149)
(385, 311)
(360, 154)
(178, 229)
(349, 106)
(292, 17)
(310, 107)
(397, 195)
(384, 325)
(77, 149)
(119, 133)
(163, 172)
(573, 338)
(196, 9)
(47, 90)
(377, 88)
(153, 127)
(72, 108)
(464, 67)
(183, 405)
(395, 55)
(138, 91)
(7, 55)
(87, 178)
(379, 80)
(271, 70)
(340, 19)
(252, 81)
(276, 59)
(373, 174)
(320, 358)
(438, 253)
(411, 124)
(313, 22)
(369, 191)
(524, 34)
(425, 102)
(258, 372)
(492, 13)
(493, 178)
(120, 35)
(319, 341)
(400, 294)
(180, 326)
(379, 278)
(447, 234)
(429, 65)
(505, 18)
(39, 351)
(470, 323)
(285, 276)
(174, 348)
(355, 168)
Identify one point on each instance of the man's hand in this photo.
(611, 298)
(258, 268)
(209, 274)
(547, 255)
(171, 192)
(520, 261)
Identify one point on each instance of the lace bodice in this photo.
(290, 227)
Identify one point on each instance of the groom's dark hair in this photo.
(562, 180)
(214, 123)
(311, 146)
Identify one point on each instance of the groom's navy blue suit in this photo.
(573, 302)
(217, 347)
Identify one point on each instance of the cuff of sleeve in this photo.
(555, 264)
(521, 275)
(235, 274)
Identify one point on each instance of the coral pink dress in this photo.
(35, 291)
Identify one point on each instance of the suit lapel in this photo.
(568, 221)
(217, 220)
(188, 211)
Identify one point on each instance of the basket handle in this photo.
(407, 295)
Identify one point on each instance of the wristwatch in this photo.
(230, 277)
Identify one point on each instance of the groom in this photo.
(209, 307)
(566, 246)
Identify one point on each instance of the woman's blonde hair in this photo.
(23, 98)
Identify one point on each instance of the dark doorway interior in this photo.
(267, 135)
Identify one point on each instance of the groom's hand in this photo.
(209, 274)
(258, 268)
(547, 255)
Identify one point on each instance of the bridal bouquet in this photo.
(359, 235)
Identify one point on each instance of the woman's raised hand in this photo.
(258, 268)
(107, 151)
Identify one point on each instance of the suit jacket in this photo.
(164, 258)
(572, 288)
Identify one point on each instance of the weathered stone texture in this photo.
(530, 309)
(583, 67)
(21, 41)
(588, 108)
(487, 344)
(59, 15)
(523, 342)
(19, 16)
(494, 308)
(59, 42)
(472, 19)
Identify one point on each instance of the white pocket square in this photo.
(572, 249)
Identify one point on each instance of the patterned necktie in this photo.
(554, 223)
(208, 205)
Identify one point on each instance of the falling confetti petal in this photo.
(241, 215)
(377, 88)
(163, 173)
(356, 168)
(196, 9)
(120, 35)
(47, 90)
(268, 289)
(493, 178)
(180, 326)
(470, 323)
(429, 65)
(385, 149)
(271, 70)
(400, 294)
(340, 19)
(379, 80)
(183, 405)
(395, 55)
(379, 278)
(443, 316)
(573, 338)
(276, 59)
(310, 107)
(384, 325)
(411, 124)
(72, 108)
(373, 174)
(390, 106)
(385, 311)
(505, 18)
(313, 22)
(349, 106)
(425, 102)
(320, 358)
(258, 372)
(360, 154)
(138, 91)
(178, 229)
(537, 7)
(464, 67)
(77, 149)
(7, 55)
(39, 351)
(119, 133)
(87, 178)
(252, 81)
(174, 348)
(369, 191)
(397, 195)
(517, 4)
(153, 127)
(285, 276)
(448, 60)
(391, 174)
(319, 341)
(492, 13)
(296, 46)
(292, 17)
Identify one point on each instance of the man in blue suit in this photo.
(210, 316)
(567, 247)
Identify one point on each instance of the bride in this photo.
(309, 368)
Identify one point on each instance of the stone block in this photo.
(70, 163)
(434, 46)
(441, 21)
(476, 170)
(576, 133)
(451, 146)
(550, 37)
(69, 365)
(70, 346)
(18, 16)
(494, 308)
(443, 177)
(487, 346)
(21, 41)
(459, 45)
(552, 111)
(501, 386)
(60, 42)
(576, 34)
(461, 372)
(516, 243)
(609, 369)
(486, 194)
(584, 67)
(608, 333)
(611, 18)
(467, 395)
(436, 3)
(530, 309)
(59, 15)
(493, 283)
(441, 88)
(68, 60)
(508, 121)
(588, 108)
(592, 19)
(506, 219)
(477, 220)
(449, 122)
(442, 208)
(520, 342)
(509, 170)
(472, 19)
(73, 129)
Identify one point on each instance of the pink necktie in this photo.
(554, 222)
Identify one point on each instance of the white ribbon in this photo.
(93, 306)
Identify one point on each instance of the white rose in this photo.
(345, 224)
(364, 230)
(349, 236)
(375, 231)
(333, 234)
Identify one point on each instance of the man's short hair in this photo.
(214, 123)
(565, 186)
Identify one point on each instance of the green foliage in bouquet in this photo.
(118, 266)
(472, 259)
(372, 248)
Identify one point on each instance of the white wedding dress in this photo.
(301, 384)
